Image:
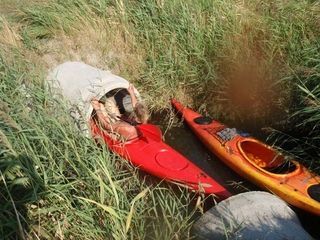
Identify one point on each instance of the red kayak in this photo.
(152, 155)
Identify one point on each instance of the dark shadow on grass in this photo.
(20, 185)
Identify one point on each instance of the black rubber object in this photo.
(314, 192)
(203, 120)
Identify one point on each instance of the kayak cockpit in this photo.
(266, 158)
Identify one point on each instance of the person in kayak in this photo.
(120, 126)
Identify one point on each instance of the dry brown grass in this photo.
(9, 7)
(9, 34)
(103, 45)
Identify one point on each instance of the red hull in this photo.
(152, 155)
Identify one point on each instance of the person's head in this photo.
(141, 113)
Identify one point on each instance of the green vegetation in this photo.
(251, 63)
(56, 183)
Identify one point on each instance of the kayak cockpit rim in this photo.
(267, 159)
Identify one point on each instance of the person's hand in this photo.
(131, 89)
(132, 95)
(95, 103)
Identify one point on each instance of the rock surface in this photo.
(250, 215)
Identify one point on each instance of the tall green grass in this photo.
(56, 183)
(219, 55)
(252, 64)
(300, 135)
(298, 22)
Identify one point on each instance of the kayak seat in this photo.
(266, 158)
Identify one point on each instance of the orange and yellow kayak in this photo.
(256, 161)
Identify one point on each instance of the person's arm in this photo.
(100, 111)
(140, 110)
(134, 99)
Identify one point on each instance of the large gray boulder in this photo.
(250, 215)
